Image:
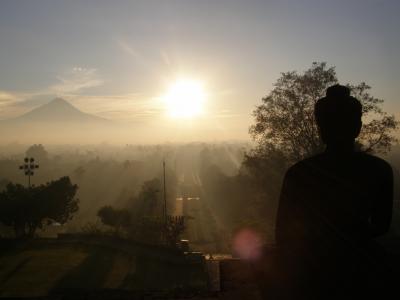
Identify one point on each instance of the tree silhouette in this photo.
(38, 152)
(175, 226)
(3, 184)
(148, 202)
(116, 218)
(284, 122)
(26, 209)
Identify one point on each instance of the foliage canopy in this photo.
(26, 209)
(284, 121)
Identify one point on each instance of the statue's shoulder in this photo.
(373, 162)
(306, 165)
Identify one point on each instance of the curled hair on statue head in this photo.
(338, 115)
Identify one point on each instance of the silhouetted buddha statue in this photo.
(331, 207)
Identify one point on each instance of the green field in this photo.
(40, 268)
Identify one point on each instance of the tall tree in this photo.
(284, 121)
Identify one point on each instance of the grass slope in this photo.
(44, 268)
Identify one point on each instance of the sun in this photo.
(185, 99)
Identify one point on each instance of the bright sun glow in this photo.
(185, 99)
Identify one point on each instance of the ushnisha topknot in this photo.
(338, 90)
(338, 114)
(337, 102)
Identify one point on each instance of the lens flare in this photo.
(247, 244)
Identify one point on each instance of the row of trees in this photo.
(153, 229)
(25, 209)
(143, 219)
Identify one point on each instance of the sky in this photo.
(116, 59)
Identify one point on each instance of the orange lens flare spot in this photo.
(247, 244)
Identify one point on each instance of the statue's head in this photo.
(338, 116)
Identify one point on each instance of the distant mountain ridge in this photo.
(57, 122)
(57, 110)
